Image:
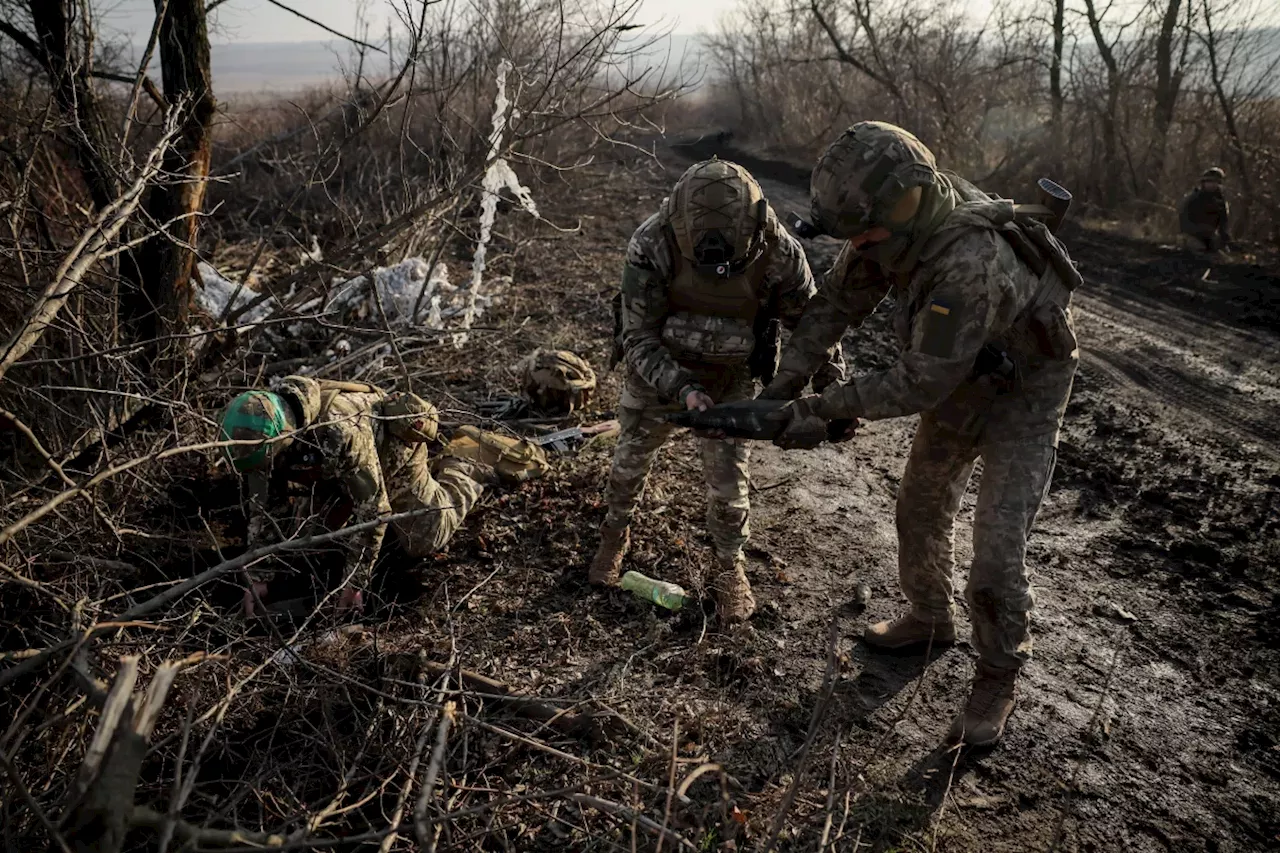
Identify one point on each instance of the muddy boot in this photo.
(606, 566)
(991, 700)
(734, 601)
(908, 631)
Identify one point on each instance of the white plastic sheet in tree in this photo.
(498, 176)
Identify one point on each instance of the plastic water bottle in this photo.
(669, 595)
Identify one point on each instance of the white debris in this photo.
(497, 177)
(407, 291)
(214, 292)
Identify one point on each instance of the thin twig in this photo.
(829, 680)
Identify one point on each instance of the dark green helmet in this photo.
(255, 416)
(864, 175)
(1214, 174)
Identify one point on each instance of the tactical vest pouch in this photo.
(763, 361)
(616, 354)
(514, 460)
(707, 339)
(1051, 328)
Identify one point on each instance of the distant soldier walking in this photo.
(706, 280)
(988, 356)
(363, 454)
(1204, 213)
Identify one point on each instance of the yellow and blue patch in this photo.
(941, 326)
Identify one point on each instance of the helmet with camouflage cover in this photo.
(410, 418)
(872, 175)
(556, 380)
(1214, 174)
(256, 416)
(305, 393)
(719, 215)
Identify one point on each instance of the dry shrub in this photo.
(1127, 115)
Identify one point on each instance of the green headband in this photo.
(253, 416)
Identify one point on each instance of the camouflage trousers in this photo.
(724, 461)
(1015, 479)
(449, 496)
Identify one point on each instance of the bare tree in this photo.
(160, 295)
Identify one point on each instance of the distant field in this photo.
(278, 68)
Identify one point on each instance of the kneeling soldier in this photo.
(365, 455)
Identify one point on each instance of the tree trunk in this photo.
(1056, 99)
(69, 66)
(1110, 119)
(1168, 84)
(157, 305)
(1226, 103)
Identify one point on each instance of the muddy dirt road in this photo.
(1159, 735)
(1162, 734)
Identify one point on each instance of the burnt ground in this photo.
(1159, 735)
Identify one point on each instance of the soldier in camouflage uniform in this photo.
(988, 356)
(1204, 214)
(706, 280)
(365, 456)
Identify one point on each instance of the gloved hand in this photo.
(805, 428)
(350, 599)
(257, 592)
(842, 429)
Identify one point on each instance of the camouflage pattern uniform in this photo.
(964, 278)
(1204, 213)
(683, 330)
(364, 469)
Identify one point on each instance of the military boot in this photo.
(606, 566)
(991, 701)
(734, 601)
(908, 631)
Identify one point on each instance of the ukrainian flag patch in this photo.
(940, 327)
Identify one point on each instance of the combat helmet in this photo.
(872, 174)
(556, 380)
(256, 416)
(1214, 174)
(305, 393)
(718, 215)
(411, 419)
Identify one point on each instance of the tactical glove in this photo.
(805, 428)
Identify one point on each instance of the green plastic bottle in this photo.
(664, 594)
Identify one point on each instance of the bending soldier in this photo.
(1204, 214)
(706, 280)
(988, 356)
(363, 454)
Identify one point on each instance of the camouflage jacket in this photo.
(1205, 212)
(653, 261)
(969, 289)
(348, 453)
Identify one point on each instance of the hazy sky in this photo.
(259, 21)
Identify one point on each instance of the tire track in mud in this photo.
(1155, 364)
(1136, 370)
